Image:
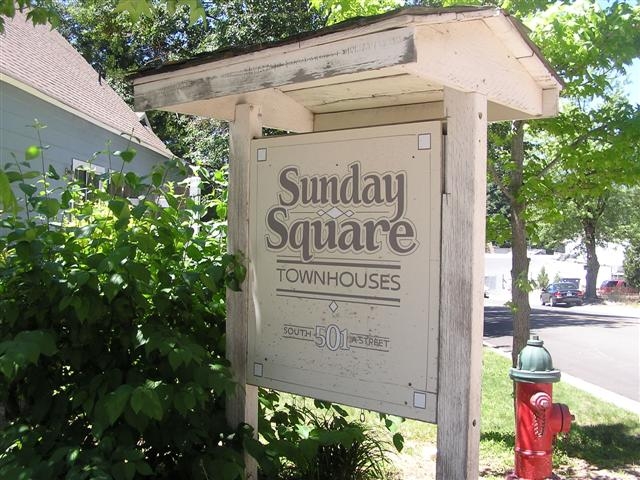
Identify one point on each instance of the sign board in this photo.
(344, 266)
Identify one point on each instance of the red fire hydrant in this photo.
(538, 420)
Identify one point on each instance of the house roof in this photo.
(41, 61)
(406, 58)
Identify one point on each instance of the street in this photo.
(599, 344)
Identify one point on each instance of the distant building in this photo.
(571, 264)
(43, 77)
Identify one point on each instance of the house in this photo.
(43, 77)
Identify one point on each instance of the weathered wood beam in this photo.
(280, 67)
(461, 286)
(371, 117)
(242, 405)
(278, 110)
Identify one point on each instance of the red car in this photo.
(616, 286)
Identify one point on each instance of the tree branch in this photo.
(498, 181)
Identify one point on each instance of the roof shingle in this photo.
(42, 59)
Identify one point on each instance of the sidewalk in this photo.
(598, 392)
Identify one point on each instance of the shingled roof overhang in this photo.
(404, 58)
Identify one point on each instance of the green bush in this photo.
(320, 441)
(112, 333)
(112, 339)
(542, 280)
(632, 264)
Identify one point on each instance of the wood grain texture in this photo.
(360, 54)
(278, 110)
(379, 116)
(242, 406)
(461, 286)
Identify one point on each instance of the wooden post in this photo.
(461, 285)
(242, 406)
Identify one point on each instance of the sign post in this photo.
(462, 282)
(242, 405)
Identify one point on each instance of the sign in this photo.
(344, 266)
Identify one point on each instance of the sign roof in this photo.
(406, 57)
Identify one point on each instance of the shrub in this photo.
(320, 442)
(632, 264)
(112, 334)
(543, 278)
(112, 340)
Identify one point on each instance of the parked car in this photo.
(561, 293)
(616, 286)
(575, 281)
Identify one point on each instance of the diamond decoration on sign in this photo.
(335, 212)
(321, 212)
(333, 306)
(348, 213)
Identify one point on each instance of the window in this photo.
(87, 174)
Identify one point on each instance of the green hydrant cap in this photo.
(534, 364)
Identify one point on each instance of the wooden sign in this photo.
(344, 266)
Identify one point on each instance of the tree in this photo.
(591, 143)
(588, 46)
(39, 12)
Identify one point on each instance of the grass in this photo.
(604, 442)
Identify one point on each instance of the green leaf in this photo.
(120, 208)
(398, 441)
(176, 358)
(116, 401)
(136, 8)
(156, 178)
(139, 271)
(184, 401)
(29, 190)
(124, 470)
(341, 411)
(143, 468)
(52, 173)
(113, 286)
(32, 151)
(145, 400)
(26, 348)
(127, 155)
(7, 197)
(49, 207)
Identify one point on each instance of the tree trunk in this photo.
(519, 260)
(593, 266)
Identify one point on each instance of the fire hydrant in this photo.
(538, 420)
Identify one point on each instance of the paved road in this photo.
(597, 344)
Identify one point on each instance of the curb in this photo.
(598, 392)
